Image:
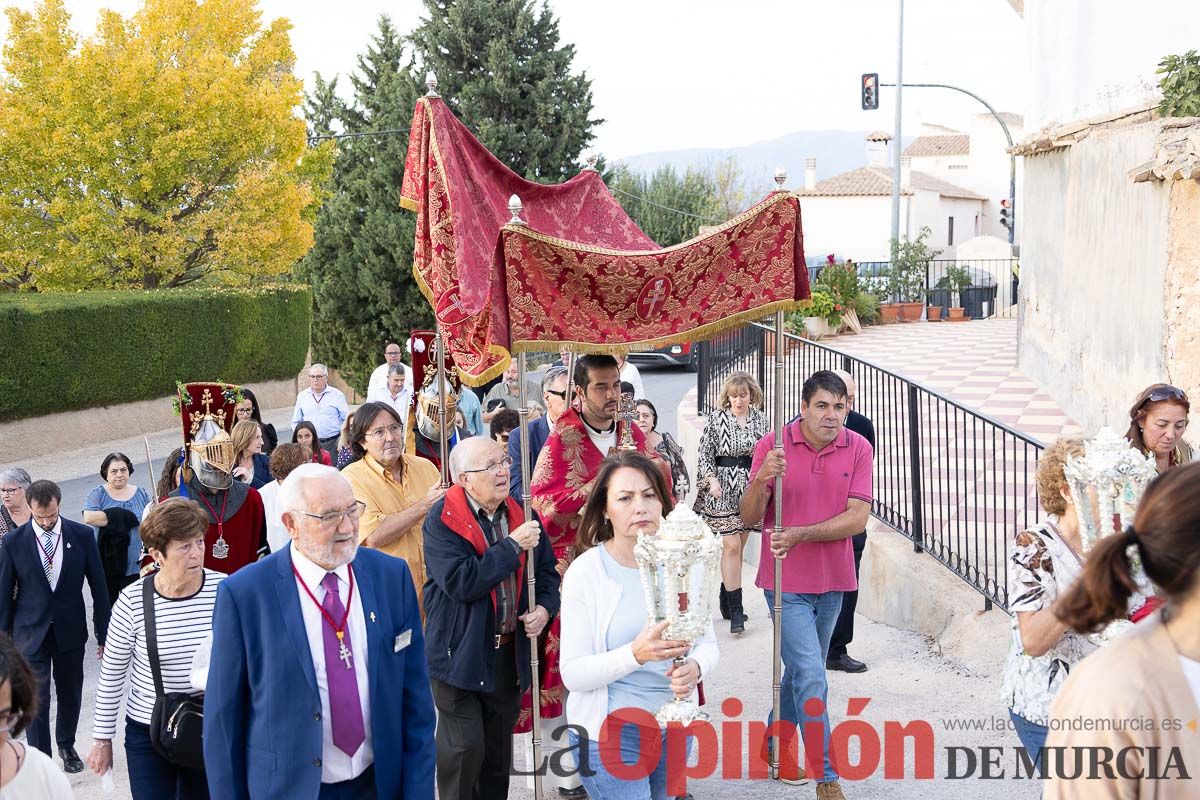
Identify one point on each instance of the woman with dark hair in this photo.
(1157, 422)
(248, 409)
(115, 509)
(168, 480)
(1153, 671)
(305, 433)
(668, 448)
(611, 658)
(14, 509)
(26, 773)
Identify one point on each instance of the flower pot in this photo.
(818, 328)
(911, 312)
(769, 344)
(956, 315)
(934, 313)
(889, 312)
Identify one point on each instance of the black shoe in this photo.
(737, 617)
(844, 663)
(724, 603)
(687, 796)
(72, 763)
(578, 793)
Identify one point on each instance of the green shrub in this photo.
(841, 281)
(1180, 85)
(867, 307)
(67, 351)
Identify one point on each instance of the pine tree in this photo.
(501, 68)
(360, 267)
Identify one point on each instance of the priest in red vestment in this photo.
(562, 479)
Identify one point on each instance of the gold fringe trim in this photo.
(408, 203)
(701, 333)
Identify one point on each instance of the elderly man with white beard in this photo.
(318, 686)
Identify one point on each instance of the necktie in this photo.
(48, 555)
(345, 710)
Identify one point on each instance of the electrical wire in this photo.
(318, 137)
(665, 208)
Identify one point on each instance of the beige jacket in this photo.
(1135, 681)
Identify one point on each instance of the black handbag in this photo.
(177, 722)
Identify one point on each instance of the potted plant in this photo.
(793, 323)
(822, 314)
(957, 281)
(908, 273)
(933, 313)
(841, 282)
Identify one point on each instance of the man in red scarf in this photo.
(562, 480)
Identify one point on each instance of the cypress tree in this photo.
(360, 266)
(502, 69)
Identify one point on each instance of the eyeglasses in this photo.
(246, 412)
(334, 518)
(391, 352)
(504, 463)
(314, 377)
(9, 721)
(563, 394)
(378, 434)
(13, 490)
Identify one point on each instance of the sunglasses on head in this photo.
(1165, 393)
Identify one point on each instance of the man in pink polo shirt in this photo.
(826, 473)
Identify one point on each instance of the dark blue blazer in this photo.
(539, 432)
(27, 618)
(262, 709)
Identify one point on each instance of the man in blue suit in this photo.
(554, 398)
(318, 685)
(43, 563)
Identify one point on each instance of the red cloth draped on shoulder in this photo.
(561, 483)
(582, 272)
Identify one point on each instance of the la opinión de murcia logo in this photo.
(698, 750)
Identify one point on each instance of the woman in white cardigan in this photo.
(611, 658)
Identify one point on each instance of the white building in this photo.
(850, 214)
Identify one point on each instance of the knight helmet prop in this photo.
(208, 414)
(423, 347)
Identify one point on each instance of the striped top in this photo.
(182, 626)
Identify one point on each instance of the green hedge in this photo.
(60, 352)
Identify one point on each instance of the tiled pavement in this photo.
(973, 363)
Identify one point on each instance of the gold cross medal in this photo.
(344, 653)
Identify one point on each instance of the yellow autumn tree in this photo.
(165, 148)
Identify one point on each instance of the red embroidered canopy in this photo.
(580, 272)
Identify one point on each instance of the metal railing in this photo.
(956, 482)
(993, 290)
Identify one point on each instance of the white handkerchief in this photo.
(402, 641)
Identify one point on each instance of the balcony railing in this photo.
(993, 289)
(956, 482)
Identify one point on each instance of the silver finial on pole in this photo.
(591, 159)
(780, 178)
(431, 84)
(515, 207)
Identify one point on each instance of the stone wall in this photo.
(1109, 271)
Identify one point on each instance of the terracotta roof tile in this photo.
(958, 145)
(877, 182)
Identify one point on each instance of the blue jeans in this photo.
(152, 777)
(1032, 736)
(602, 785)
(808, 622)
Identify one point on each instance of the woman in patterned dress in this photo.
(726, 447)
(1043, 563)
(668, 448)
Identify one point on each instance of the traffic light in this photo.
(870, 91)
(1006, 213)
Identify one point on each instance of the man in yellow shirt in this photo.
(398, 488)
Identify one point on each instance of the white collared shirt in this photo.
(57, 564)
(400, 403)
(378, 380)
(326, 411)
(335, 765)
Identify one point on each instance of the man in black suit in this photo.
(554, 397)
(42, 567)
(843, 631)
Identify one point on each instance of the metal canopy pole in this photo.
(777, 601)
(535, 689)
(443, 439)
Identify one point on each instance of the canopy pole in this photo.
(531, 574)
(777, 603)
(439, 347)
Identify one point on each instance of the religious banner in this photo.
(581, 272)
